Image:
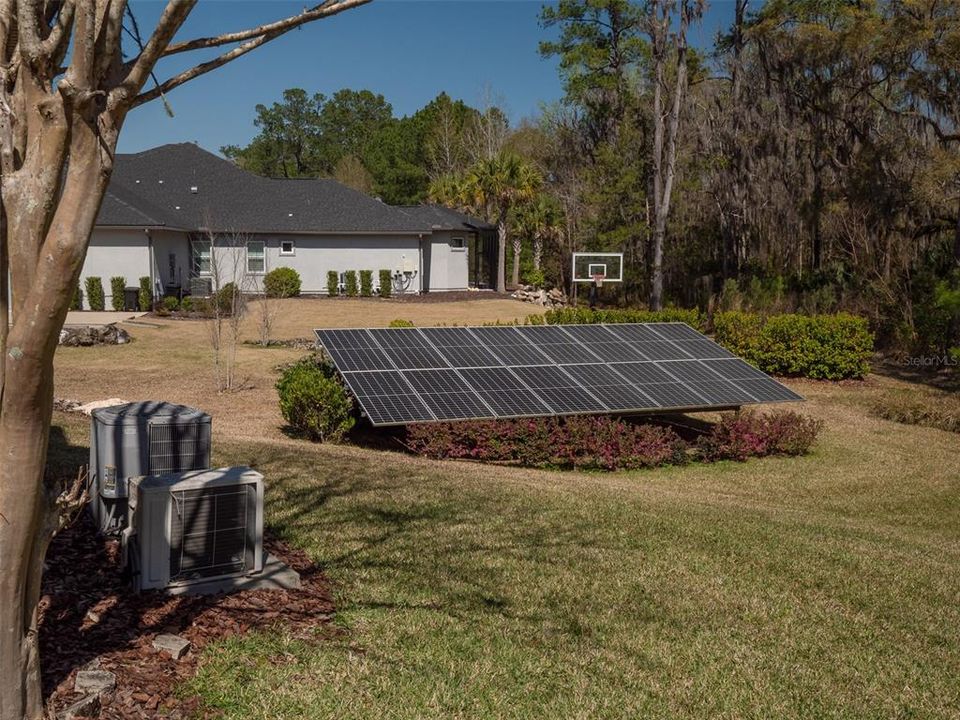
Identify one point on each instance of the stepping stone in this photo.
(173, 645)
(86, 707)
(95, 681)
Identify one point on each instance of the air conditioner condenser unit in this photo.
(137, 439)
(203, 526)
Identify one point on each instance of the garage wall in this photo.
(115, 252)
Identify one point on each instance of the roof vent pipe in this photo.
(194, 189)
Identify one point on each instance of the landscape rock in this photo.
(553, 298)
(86, 707)
(88, 408)
(95, 681)
(174, 645)
(89, 335)
(65, 405)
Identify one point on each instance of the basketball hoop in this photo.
(598, 279)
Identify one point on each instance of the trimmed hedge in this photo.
(386, 283)
(333, 283)
(117, 286)
(579, 442)
(314, 402)
(351, 284)
(366, 283)
(749, 434)
(76, 302)
(281, 282)
(826, 347)
(583, 316)
(95, 300)
(145, 296)
(609, 443)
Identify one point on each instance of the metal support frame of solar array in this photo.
(410, 375)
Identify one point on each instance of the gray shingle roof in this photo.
(186, 187)
(444, 218)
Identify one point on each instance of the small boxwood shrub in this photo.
(827, 347)
(227, 299)
(76, 302)
(187, 304)
(401, 323)
(282, 282)
(117, 286)
(584, 316)
(314, 402)
(750, 434)
(95, 299)
(333, 283)
(170, 303)
(350, 283)
(366, 283)
(586, 443)
(386, 283)
(146, 294)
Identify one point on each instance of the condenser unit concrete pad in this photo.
(276, 575)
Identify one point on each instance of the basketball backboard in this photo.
(588, 267)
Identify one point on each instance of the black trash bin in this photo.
(131, 299)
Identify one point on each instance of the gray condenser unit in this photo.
(204, 526)
(138, 439)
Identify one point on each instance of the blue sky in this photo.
(408, 50)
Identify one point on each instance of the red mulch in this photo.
(89, 614)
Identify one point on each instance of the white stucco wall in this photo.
(314, 255)
(115, 252)
(447, 266)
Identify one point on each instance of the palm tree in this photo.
(541, 221)
(496, 185)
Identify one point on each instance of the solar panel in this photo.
(404, 375)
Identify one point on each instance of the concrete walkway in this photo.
(91, 317)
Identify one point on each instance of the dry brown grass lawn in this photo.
(172, 360)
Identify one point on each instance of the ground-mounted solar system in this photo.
(411, 375)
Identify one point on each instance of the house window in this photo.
(288, 247)
(200, 257)
(457, 243)
(256, 259)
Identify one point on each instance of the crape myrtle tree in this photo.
(66, 87)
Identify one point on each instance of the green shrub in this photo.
(117, 286)
(583, 316)
(537, 278)
(314, 402)
(366, 283)
(401, 323)
(187, 304)
(227, 298)
(351, 284)
(386, 283)
(281, 282)
(94, 293)
(146, 294)
(826, 347)
(170, 303)
(333, 283)
(76, 302)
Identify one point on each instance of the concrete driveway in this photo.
(92, 317)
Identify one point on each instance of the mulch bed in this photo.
(89, 617)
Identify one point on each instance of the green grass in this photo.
(824, 586)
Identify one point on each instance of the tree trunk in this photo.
(537, 251)
(501, 253)
(517, 249)
(956, 238)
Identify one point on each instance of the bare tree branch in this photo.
(258, 40)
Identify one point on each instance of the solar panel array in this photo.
(407, 375)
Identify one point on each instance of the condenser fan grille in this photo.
(178, 448)
(210, 532)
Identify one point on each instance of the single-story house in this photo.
(190, 221)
